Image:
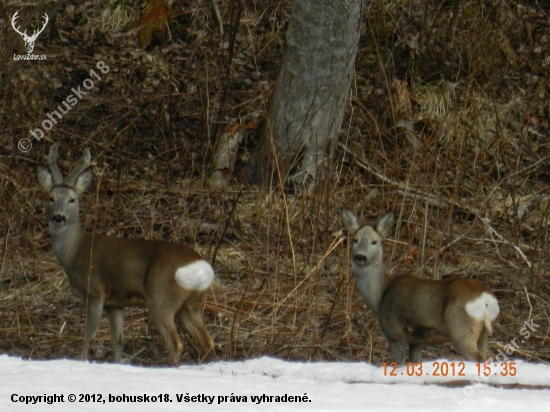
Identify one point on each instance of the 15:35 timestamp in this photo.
(450, 369)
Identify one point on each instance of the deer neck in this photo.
(371, 283)
(65, 241)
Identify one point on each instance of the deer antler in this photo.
(37, 32)
(15, 16)
(83, 163)
(52, 163)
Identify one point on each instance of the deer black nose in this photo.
(360, 258)
(59, 218)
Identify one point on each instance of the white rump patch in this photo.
(486, 302)
(195, 276)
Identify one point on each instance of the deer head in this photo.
(64, 194)
(110, 273)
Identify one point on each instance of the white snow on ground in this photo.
(321, 386)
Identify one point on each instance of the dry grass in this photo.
(117, 15)
(471, 198)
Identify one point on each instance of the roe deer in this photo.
(413, 310)
(110, 273)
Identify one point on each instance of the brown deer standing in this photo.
(413, 310)
(110, 273)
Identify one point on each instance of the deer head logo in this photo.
(29, 40)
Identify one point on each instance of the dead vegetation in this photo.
(447, 128)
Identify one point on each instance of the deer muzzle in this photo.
(360, 258)
(59, 219)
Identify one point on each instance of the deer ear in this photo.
(385, 223)
(350, 221)
(83, 180)
(44, 177)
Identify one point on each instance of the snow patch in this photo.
(331, 386)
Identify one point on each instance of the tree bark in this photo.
(309, 102)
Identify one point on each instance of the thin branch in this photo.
(438, 200)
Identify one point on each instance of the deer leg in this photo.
(190, 317)
(397, 350)
(482, 343)
(163, 317)
(466, 346)
(415, 352)
(464, 333)
(93, 316)
(116, 325)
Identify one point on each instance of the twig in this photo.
(520, 252)
(89, 273)
(447, 246)
(135, 355)
(339, 239)
(5, 251)
(527, 355)
(285, 201)
(529, 302)
(332, 308)
(438, 200)
(227, 225)
(406, 189)
(235, 20)
(218, 15)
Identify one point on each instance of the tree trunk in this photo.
(309, 101)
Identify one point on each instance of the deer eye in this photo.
(355, 241)
(51, 199)
(374, 242)
(71, 200)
